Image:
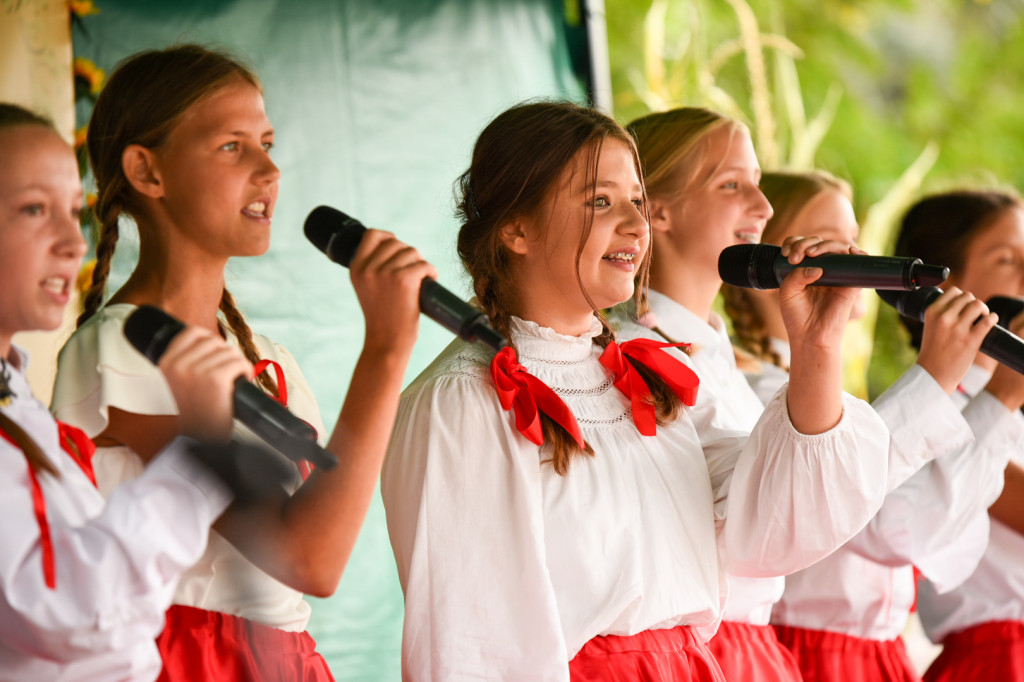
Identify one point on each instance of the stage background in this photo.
(376, 107)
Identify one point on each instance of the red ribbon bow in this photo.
(679, 377)
(529, 396)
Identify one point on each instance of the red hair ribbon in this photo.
(305, 467)
(677, 374)
(529, 396)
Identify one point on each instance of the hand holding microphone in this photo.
(339, 236)
(151, 331)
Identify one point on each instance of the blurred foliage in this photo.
(899, 97)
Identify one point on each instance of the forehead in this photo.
(1005, 229)
(234, 107)
(616, 165)
(35, 156)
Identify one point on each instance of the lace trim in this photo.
(600, 389)
(557, 363)
(627, 415)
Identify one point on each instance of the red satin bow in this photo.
(529, 396)
(679, 377)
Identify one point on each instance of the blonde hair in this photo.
(788, 193)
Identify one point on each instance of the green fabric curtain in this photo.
(376, 107)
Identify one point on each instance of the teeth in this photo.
(257, 207)
(621, 257)
(748, 237)
(58, 285)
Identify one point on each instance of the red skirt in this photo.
(989, 651)
(752, 653)
(208, 645)
(825, 656)
(673, 655)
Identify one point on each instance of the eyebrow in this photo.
(612, 183)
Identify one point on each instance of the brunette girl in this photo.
(842, 617)
(179, 141)
(567, 507)
(84, 584)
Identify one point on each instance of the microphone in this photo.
(338, 235)
(1003, 345)
(1006, 307)
(762, 266)
(150, 330)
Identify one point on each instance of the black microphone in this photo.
(338, 235)
(150, 330)
(762, 266)
(1006, 307)
(1003, 345)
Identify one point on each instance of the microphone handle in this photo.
(868, 272)
(1005, 346)
(456, 315)
(277, 426)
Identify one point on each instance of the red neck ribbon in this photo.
(80, 448)
(528, 396)
(679, 377)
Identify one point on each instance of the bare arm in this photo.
(1009, 507)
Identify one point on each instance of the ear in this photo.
(661, 217)
(140, 167)
(514, 236)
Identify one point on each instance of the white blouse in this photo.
(98, 369)
(995, 590)
(509, 569)
(117, 563)
(711, 352)
(934, 516)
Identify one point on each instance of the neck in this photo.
(185, 283)
(766, 304)
(689, 287)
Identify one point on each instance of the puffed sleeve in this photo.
(98, 369)
(793, 498)
(116, 566)
(464, 512)
(938, 519)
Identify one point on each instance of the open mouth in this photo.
(57, 285)
(257, 209)
(748, 236)
(619, 257)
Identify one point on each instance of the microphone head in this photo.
(335, 233)
(749, 265)
(1006, 307)
(910, 304)
(929, 275)
(150, 330)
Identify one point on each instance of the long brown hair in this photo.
(142, 103)
(516, 162)
(940, 227)
(788, 193)
(11, 116)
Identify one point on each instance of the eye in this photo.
(732, 184)
(76, 213)
(230, 147)
(601, 202)
(639, 203)
(267, 146)
(33, 209)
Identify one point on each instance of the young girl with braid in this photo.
(84, 583)
(980, 624)
(567, 508)
(842, 617)
(179, 141)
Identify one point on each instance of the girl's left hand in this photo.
(815, 316)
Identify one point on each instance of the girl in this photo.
(980, 235)
(554, 508)
(194, 172)
(842, 617)
(83, 585)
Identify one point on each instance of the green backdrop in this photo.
(376, 106)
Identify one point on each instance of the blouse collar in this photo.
(533, 340)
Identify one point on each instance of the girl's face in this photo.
(218, 182)
(550, 293)
(994, 259)
(41, 243)
(724, 205)
(829, 215)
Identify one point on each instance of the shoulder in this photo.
(460, 366)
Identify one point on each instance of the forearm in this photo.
(1008, 509)
(815, 399)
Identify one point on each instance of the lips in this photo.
(257, 209)
(57, 285)
(619, 257)
(748, 236)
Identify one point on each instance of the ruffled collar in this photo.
(534, 341)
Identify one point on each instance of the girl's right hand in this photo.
(201, 369)
(387, 275)
(955, 324)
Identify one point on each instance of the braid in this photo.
(748, 326)
(37, 459)
(109, 232)
(240, 328)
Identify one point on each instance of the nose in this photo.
(759, 205)
(634, 223)
(70, 242)
(267, 171)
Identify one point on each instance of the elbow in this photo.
(316, 581)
